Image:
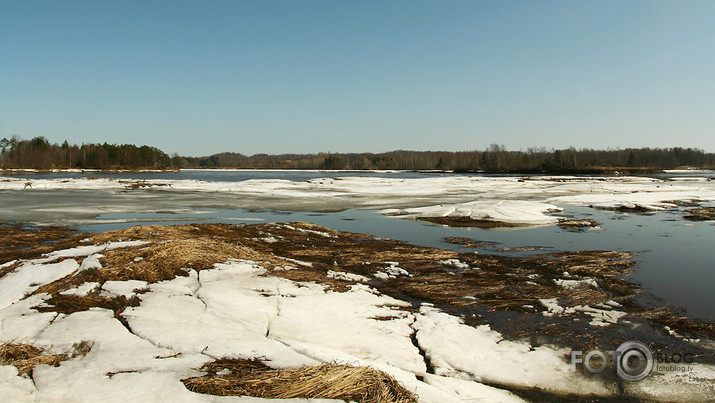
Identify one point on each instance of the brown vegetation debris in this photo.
(81, 349)
(683, 203)
(25, 357)
(523, 248)
(166, 260)
(577, 225)
(326, 381)
(68, 304)
(28, 242)
(503, 291)
(700, 214)
(670, 316)
(141, 184)
(469, 243)
(468, 222)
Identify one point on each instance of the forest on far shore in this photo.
(39, 153)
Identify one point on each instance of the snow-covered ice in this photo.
(30, 275)
(238, 309)
(28, 278)
(124, 288)
(508, 199)
(480, 354)
(506, 211)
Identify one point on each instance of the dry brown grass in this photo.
(68, 304)
(501, 283)
(700, 214)
(168, 256)
(326, 381)
(173, 249)
(469, 243)
(28, 242)
(26, 357)
(164, 261)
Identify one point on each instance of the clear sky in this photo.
(201, 77)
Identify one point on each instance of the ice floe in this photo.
(393, 270)
(604, 315)
(505, 199)
(504, 211)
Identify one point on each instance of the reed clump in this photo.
(25, 357)
(235, 377)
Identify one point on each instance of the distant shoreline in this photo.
(585, 171)
(38, 153)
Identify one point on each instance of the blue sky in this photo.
(201, 77)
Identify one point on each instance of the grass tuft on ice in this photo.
(68, 304)
(235, 377)
(25, 357)
(167, 260)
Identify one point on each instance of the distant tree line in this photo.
(38, 153)
(496, 158)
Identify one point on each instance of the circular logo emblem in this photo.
(634, 361)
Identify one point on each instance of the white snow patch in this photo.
(20, 322)
(29, 277)
(81, 290)
(124, 288)
(585, 283)
(552, 306)
(8, 264)
(92, 249)
(466, 390)
(391, 271)
(508, 211)
(298, 262)
(139, 375)
(339, 275)
(285, 268)
(91, 262)
(456, 263)
(601, 317)
(14, 388)
(319, 233)
(479, 353)
(692, 382)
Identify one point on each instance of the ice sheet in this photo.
(331, 194)
(507, 211)
(237, 309)
(29, 277)
(480, 354)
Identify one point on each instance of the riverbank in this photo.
(445, 324)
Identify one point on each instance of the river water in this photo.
(675, 256)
